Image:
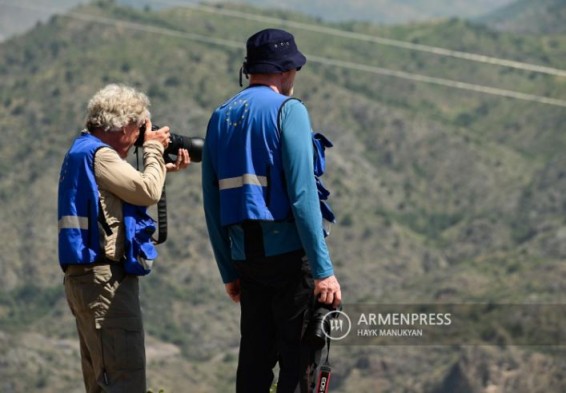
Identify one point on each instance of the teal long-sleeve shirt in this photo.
(304, 232)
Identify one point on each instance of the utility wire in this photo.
(132, 25)
(378, 40)
(439, 81)
(333, 62)
(325, 61)
(358, 36)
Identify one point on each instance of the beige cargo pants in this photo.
(105, 303)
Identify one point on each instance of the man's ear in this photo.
(285, 75)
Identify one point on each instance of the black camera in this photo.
(318, 328)
(194, 145)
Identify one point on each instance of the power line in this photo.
(133, 25)
(378, 40)
(363, 37)
(325, 61)
(158, 30)
(337, 63)
(439, 81)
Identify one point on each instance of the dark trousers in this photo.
(276, 298)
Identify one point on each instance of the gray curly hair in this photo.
(115, 106)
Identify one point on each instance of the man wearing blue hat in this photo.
(263, 215)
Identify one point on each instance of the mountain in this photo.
(524, 16)
(442, 194)
(18, 16)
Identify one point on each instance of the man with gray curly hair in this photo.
(96, 186)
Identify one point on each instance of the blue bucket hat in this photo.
(271, 51)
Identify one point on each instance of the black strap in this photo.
(162, 217)
(101, 216)
(328, 341)
(323, 380)
(243, 72)
(102, 220)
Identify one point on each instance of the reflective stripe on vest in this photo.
(240, 181)
(73, 222)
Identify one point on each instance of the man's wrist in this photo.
(324, 275)
(154, 144)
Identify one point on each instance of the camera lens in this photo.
(194, 146)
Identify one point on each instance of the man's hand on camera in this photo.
(183, 161)
(233, 290)
(327, 290)
(162, 135)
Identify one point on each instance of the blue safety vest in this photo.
(78, 204)
(245, 152)
(79, 212)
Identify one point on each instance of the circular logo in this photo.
(339, 323)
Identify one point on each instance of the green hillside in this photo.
(17, 16)
(441, 194)
(382, 11)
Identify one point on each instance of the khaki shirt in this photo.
(119, 181)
